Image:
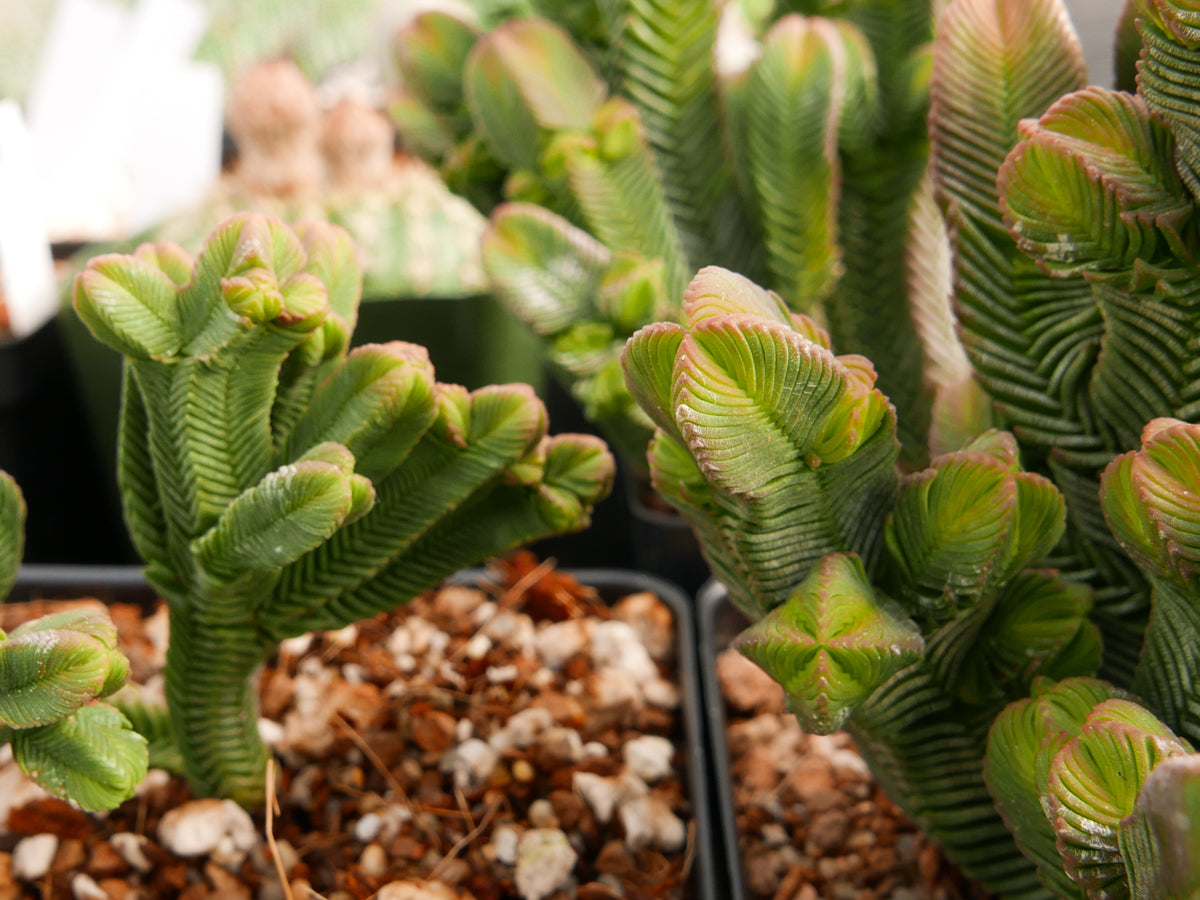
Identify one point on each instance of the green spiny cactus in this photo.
(276, 484)
(54, 671)
(789, 147)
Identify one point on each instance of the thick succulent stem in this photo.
(1169, 670)
(212, 697)
(929, 759)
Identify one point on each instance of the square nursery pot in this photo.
(799, 816)
(353, 819)
(631, 529)
(48, 445)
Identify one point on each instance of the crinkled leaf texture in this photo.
(1149, 497)
(52, 666)
(92, 757)
(1093, 785)
(832, 642)
(777, 451)
(968, 524)
(1022, 744)
(1092, 185)
(1069, 768)
(1160, 840)
(277, 482)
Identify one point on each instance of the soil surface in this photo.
(812, 822)
(522, 739)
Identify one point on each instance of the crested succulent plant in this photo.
(954, 619)
(275, 483)
(54, 673)
(789, 147)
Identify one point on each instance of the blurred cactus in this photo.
(298, 162)
(276, 484)
(54, 671)
(791, 148)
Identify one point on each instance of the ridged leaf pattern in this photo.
(268, 505)
(816, 476)
(832, 642)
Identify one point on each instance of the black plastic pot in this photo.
(707, 880)
(626, 532)
(47, 444)
(718, 623)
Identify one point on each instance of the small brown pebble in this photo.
(117, 888)
(928, 863)
(746, 686)
(827, 833)
(70, 856)
(595, 890)
(569, 808)
(615, 859)
(756, 770)
(104, 862)
(434, 730)
(811, 782)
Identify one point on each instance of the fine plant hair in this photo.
(276, 483)
(619, 150)
(55, 671)
(1010, 633)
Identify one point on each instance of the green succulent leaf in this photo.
(832, 642)
(667, 72)
(152, 720)
(48, 672)
(996, 63)
(613, 178)
(12, 531)
(131, 306)
(1150, 501)
(794, 445)
(1160, 840)
(92, 757)
(527, 78)
(967, 524)
(170, 259)
(794, 99)
(545, 270)
(1092, 185)
(291, 511)
(1037, 629)
(378, 404)
(1167, 75)
(430, 52)
(1021, 745)
(1093, 785)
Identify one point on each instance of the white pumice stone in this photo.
(32, 856)
(527, 725)
(217, 828)
(504, 844)
(84, 887)
(132, 848)
(649, 822)
(649, 757)
(545, 859)
(470, 763)
(557, 643)
(616, 645)
(271, 732)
